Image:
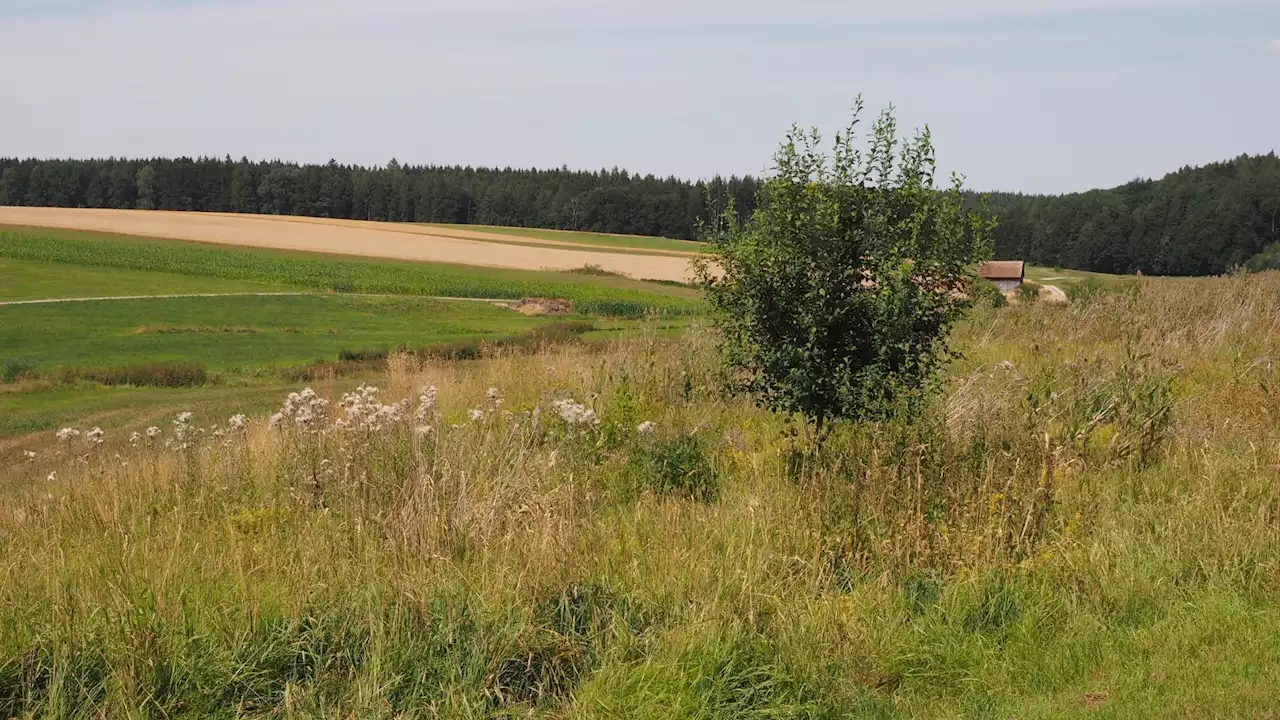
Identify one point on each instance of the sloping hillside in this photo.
(1196, 221)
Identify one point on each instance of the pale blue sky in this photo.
(1034, 95)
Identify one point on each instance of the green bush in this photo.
(985, 293)
(591, 269)
(1028, 292)
(18, 368)
(1268, 259)
(362, 355)
(679, 467)
(164, 375)
(836, 299)
(1085, 291)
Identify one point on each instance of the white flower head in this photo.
(426, 403)
(29, 455)
(68, 434)
(495, 396)
(364, 412)
(237, 423)
(135, 437)
(94, 436)
(53, 476)
(153, 432)
(305, 410)
(574, 413)
(475, 414)
(645, 427)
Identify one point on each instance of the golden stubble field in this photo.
(401, 241)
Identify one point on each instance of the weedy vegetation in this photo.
(1090, 502)
(1031, 510)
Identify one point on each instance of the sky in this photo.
(1030, 95)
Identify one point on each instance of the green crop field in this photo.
(593, 294)
(38, 280)
(602, 240)
(241, 332)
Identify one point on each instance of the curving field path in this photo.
(401, 241)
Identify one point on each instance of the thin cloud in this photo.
(588, 13)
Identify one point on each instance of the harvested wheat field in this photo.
(400, 241)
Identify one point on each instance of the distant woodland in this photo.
(1196, 221)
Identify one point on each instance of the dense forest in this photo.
(1197, 221)
(612, 201)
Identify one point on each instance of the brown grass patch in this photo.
(544, 306)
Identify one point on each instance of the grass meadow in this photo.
(1084, 524)
(226, 333)
(592, 294)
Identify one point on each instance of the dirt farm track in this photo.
(402, 241)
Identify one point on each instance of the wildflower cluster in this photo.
(92, 438)
(236, 427)
(575, 414)
(364, 412)
(425, 414)
(304, 410)
(182, 431)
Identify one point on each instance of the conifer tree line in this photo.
(611, 201)
(1196, 221)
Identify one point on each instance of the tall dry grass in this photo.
(1086, 519)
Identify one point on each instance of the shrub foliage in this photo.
(836, 297)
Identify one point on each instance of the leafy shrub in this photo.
(1085, 291)
(1028, 292)
(836, 299)
(18, 368)
(986, 293)
(1268, 259)
(679, 467)
(362, 355)
(163, 374)
(590, 269)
